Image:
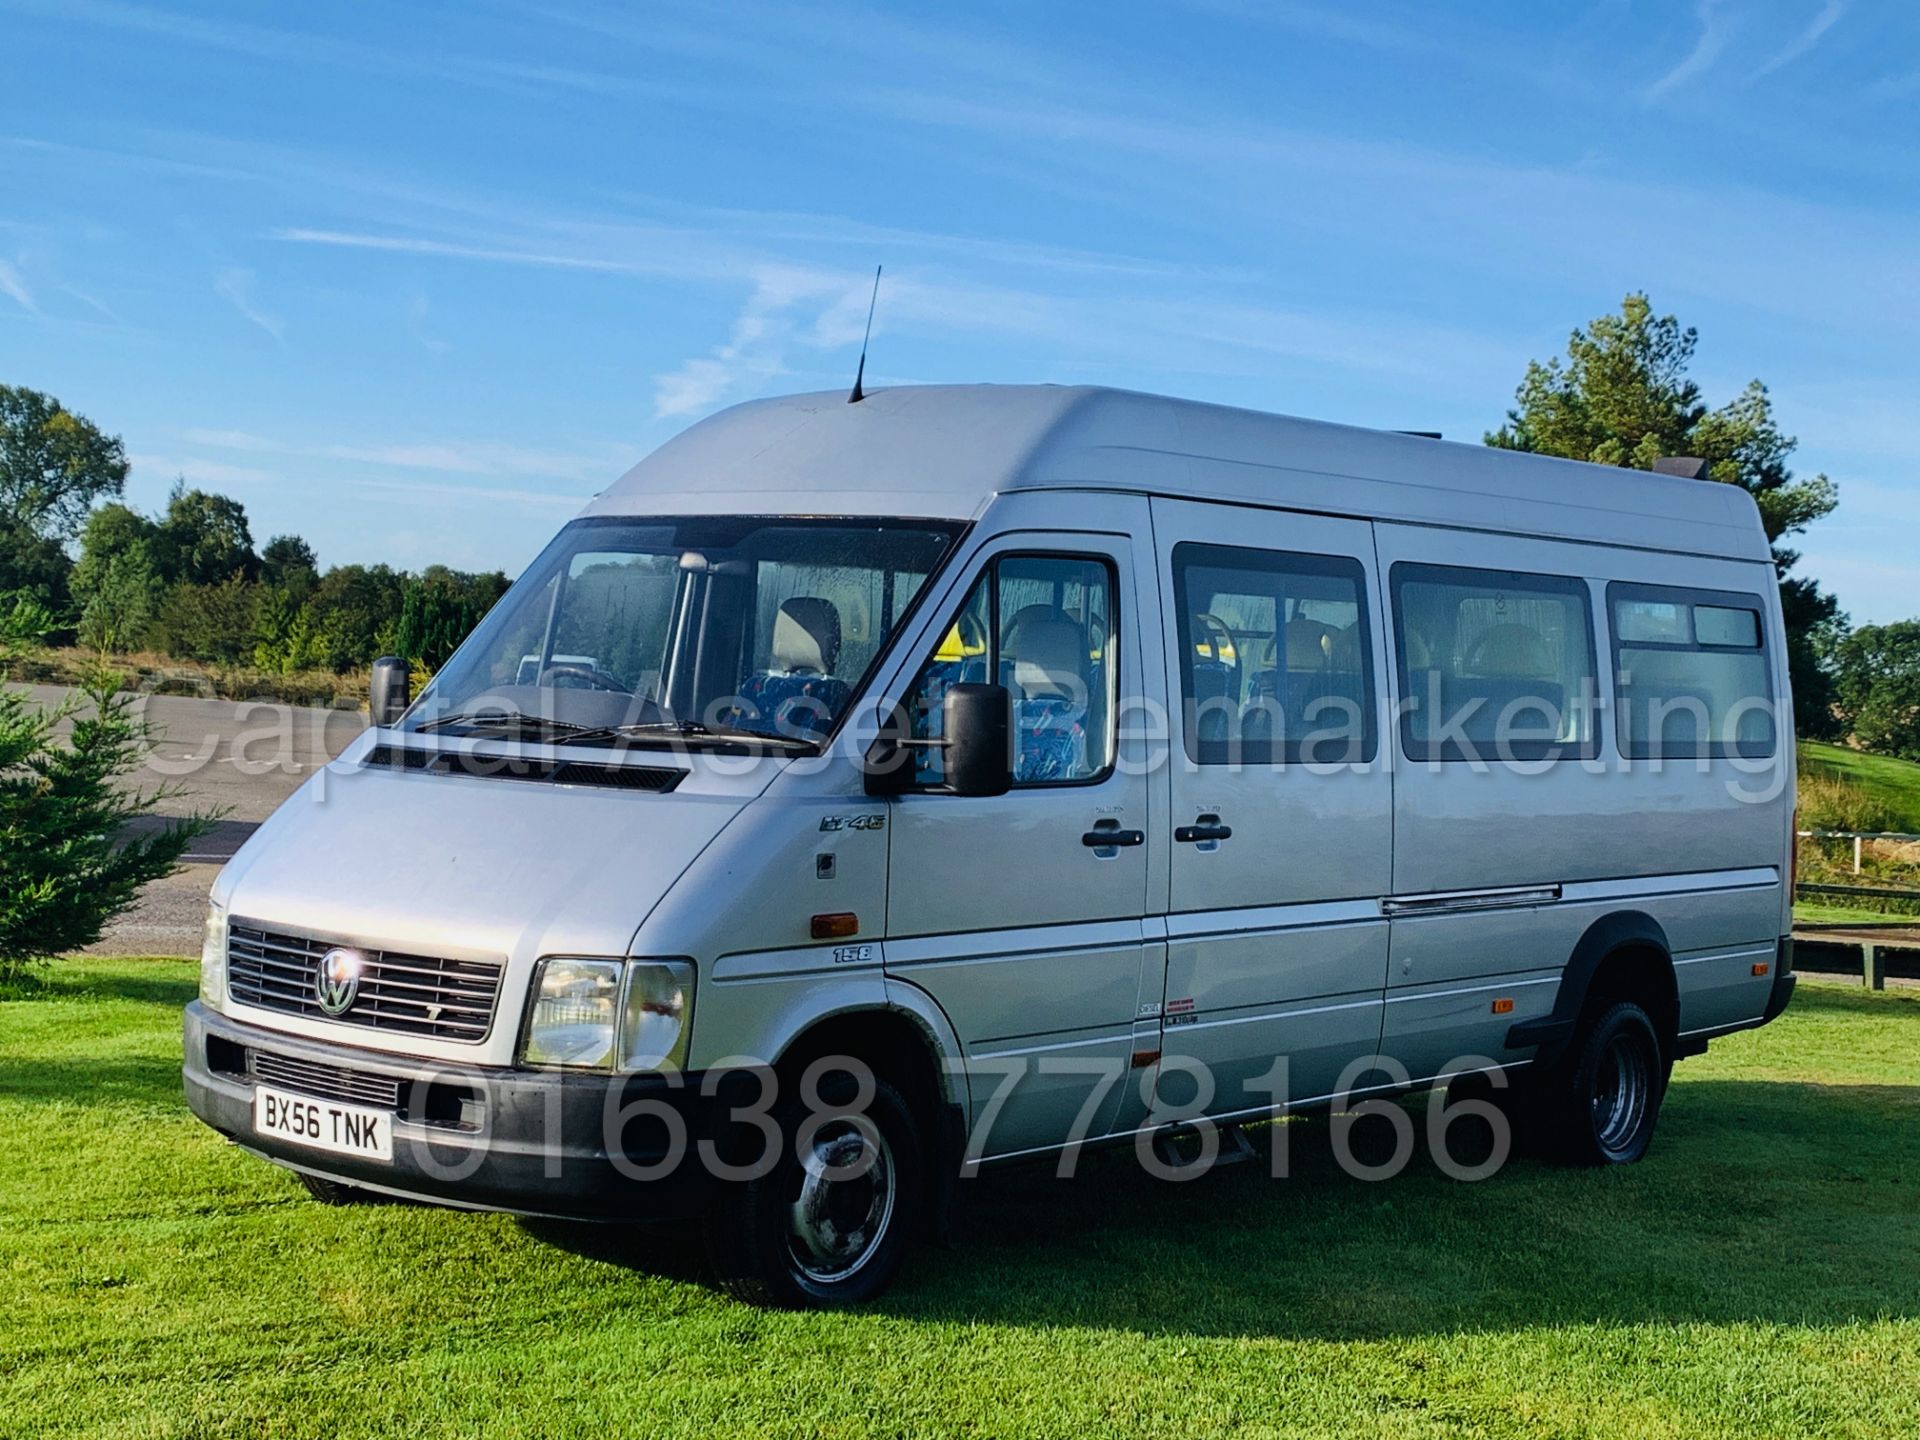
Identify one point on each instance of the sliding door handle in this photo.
(1200, 834)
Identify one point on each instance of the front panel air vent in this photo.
(654, 779)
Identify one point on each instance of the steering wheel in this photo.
(595, 678)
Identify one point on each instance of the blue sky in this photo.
(414, 281)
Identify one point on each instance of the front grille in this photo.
(405, 994)
(329, 1082)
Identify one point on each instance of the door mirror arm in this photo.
(977, 721)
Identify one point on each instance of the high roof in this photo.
(946, 450)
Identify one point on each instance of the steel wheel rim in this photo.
(1622, 1084)
(844, 1203)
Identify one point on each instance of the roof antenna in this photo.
(861, 374)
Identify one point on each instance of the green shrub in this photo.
(1829, 802)
(67, 866)
(24, 624)
(214, 622)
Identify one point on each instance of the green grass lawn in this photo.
(1894, 783)
(1759, 1275)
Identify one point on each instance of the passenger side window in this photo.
(1041, 625)
(1275, 661)
(1693, 681)
(1494, 665)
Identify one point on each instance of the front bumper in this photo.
(530, 1142)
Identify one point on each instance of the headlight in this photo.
(213, 957)
(609, 1014)
(657, 1015)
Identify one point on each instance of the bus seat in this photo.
(799, 693)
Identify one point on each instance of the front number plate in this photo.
(323, 1125)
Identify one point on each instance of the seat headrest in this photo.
(1049, 654)
(1511, 652)
(1309, 644)
(806, 635)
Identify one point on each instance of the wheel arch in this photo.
(906, 1049)
(897, 1043)
(1624, 955)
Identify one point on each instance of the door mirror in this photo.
(390, 693)
(978, 721)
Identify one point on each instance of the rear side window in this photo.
(1691, 671)
(1275, 658)
(1494, 665)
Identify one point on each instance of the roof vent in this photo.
(1687, 467)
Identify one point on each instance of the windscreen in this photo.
(737, 625)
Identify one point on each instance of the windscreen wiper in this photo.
(691, 730)
(512, 724)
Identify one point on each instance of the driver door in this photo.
(1021, 914)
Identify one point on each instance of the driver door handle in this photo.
(1100, 839)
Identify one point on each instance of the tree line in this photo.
(188, 582)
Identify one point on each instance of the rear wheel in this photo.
(832, 1223)
(1601, 1105)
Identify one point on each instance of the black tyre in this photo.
(832, 1222)
(1600, 1106)
(333, 1192)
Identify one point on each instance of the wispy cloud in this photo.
(455, 250)
(91, 301)
(14, 286)
(199, 470)
(236, 288)
(451, 457)
(1828, 16)
(229, 440)
(538, 499)
(754, 352)
(308, 48)
(417, 327)
(253, 481)
(1707, 49)
(1894, 87)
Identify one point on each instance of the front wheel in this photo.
(1601, 1107)
(831, 1224)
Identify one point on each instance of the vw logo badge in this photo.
(337, 984)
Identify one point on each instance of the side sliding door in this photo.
(1281, 828)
